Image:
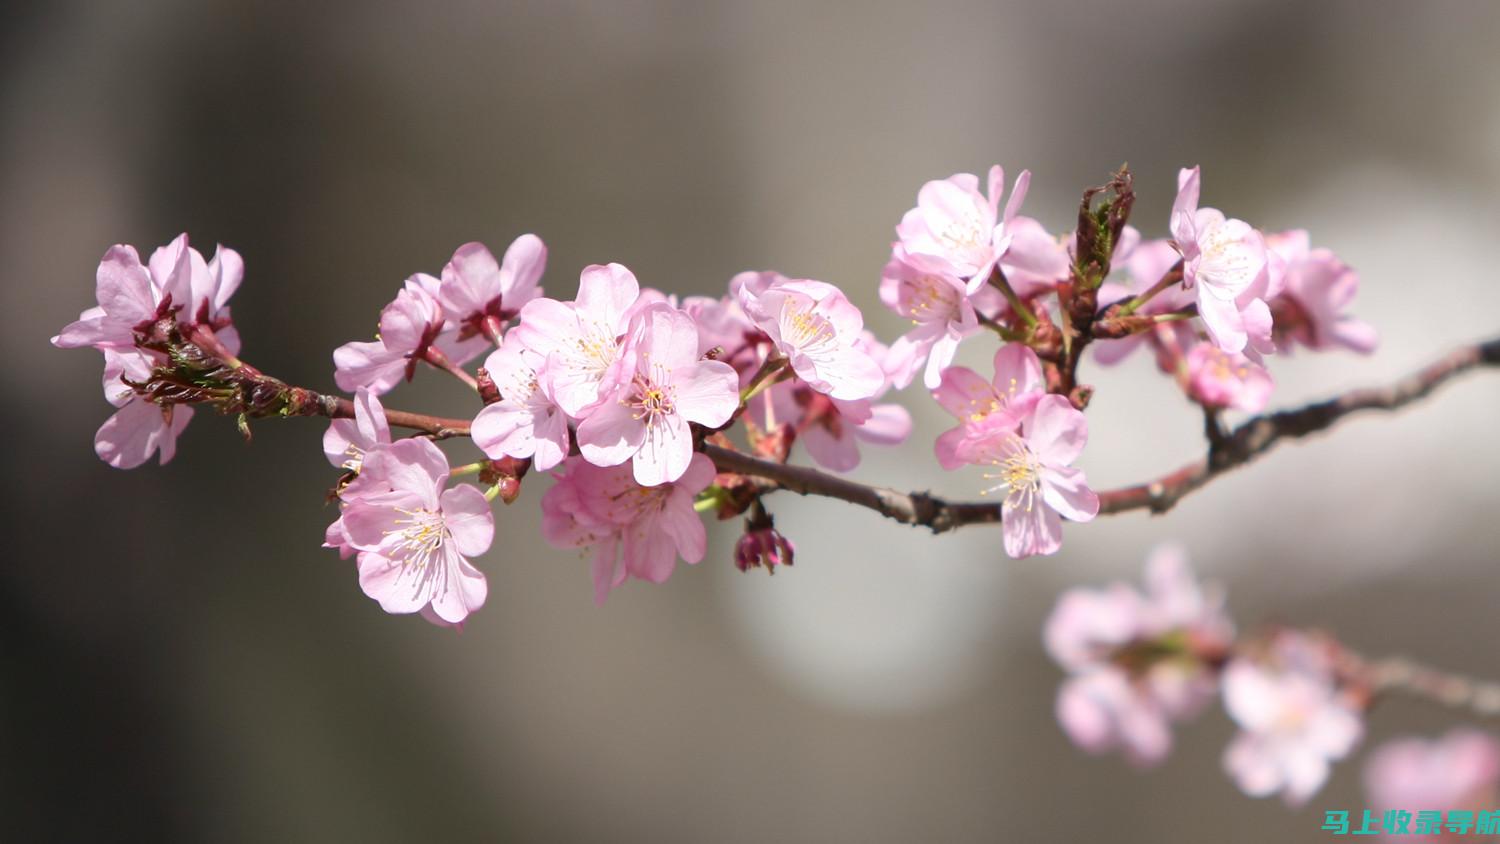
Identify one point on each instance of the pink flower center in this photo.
(653, 396)
(421, 538)
(354, 457)
(594, 351)
(929, 298)
(634, 501)
(1225, 262)
(1020, 474)
(963, 234)
(803, 329)
(1224, 367)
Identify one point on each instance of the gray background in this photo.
(180, 661)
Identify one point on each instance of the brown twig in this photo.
(1242, 445)
(440, 427)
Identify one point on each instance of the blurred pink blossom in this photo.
(1223, 380)
(1458, 772)
(1317, 288)
(1294, 719)
(1137, 660)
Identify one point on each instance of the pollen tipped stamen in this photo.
(803, 328)
(1020, 475)
(652, 397)
(421, 539)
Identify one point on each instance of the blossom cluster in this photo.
(617, 391)
(175, 284)
(1139, 660)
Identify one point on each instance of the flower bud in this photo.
(762, 546)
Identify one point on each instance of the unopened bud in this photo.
(762, 546)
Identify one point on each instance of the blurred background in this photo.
(179, 660)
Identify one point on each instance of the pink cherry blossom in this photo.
(344, 444)
(176, 281)
(409, 326)
(941, 314)
(1137, 660)
(1220, 379)
(1316, 290)
(1222, 259)
(955, 230)
(646, 420)
(203, 290)
(140, 428)
(634, 531)
(1034, 462)
(482, 295)
(414, 537)
(829, 428)
(1015, 388)
(1294, 719)
(130, 294)
(346, 440)
(583, 341)
(817, 328)
(1458, 772)
(525, 423)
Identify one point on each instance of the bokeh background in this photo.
(179, 660)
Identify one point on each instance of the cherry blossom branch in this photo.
(1404, 676)
(1240, 446)
(438, 427)
(1260, 434)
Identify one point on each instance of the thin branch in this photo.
(1244, 444)
(440, 427)
(1258, 435)
(1455, 691)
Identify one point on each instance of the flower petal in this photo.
(468, 518)
(1056, 431)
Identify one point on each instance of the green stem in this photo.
(770, 372)
(1009, 335)
(998, 279)
(1172, 276)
